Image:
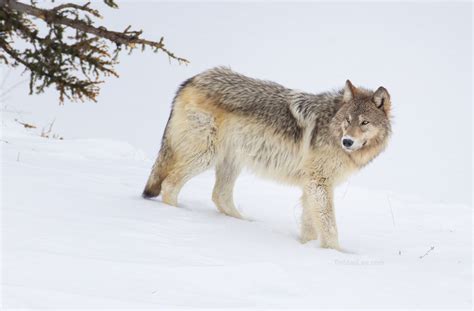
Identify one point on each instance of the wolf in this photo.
(229, 121)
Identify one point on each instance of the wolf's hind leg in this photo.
(159, 171)
(181, 173)
(193, 136)
(227, 171)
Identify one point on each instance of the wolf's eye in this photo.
(348, 121)
(364, 123)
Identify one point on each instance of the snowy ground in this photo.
(76, 233)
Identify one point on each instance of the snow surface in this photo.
(76, 233)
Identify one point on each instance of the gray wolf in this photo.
(226, 120)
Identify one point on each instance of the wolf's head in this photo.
(363, 121)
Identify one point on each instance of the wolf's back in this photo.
(236, 91)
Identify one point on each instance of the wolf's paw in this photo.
(307, 236)
(305, 239)
(228, 209)
(234, 213)
(346, 251)
(169, 201)
(331, 244)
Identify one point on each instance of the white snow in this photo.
(76, 233)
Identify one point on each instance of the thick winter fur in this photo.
(225, 120)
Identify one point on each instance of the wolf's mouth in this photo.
(353, 147)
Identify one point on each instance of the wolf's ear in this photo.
(349, 91)
(381, 99)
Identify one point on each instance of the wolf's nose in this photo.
(347, 142)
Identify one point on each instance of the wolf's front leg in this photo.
(309, 232)
(318, 208)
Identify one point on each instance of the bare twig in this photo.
(46, 133)
(11, 88)
(427, 252)
(391, 211)
(84, 8)
(5, 78)
(26, 125)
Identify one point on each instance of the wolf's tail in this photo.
(160, 169)
(166, 157)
